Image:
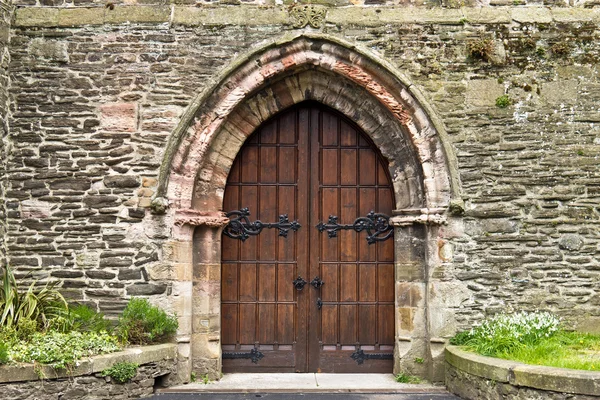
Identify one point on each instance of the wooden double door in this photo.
(303, 289)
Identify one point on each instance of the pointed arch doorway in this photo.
(308, 300)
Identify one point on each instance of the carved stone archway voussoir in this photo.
(369, 92)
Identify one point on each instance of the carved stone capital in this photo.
(308, 14)
(197, 218)
(426, 216)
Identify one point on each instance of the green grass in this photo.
(564, 350)
(405, 378)
(532, 338)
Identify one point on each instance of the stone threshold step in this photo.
(313, 383)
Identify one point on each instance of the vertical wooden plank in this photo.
(229, 322)
(247, 316)
(329, 246)
(348, 166)
(268, 164)
(285, 276)
(249, 199)
(285, 324)
(329, 275)
(268, 213)
(266, 282)
(286, 250)
(347, 135)
(348, 213)
(330, 129)
(367, 171)
(249, 167)
(348, 279)
(266, 323)
(287, 165)
(367, 284)
(287, 128)
(247, 282)
(367, 324)
(348, 324)
(385, 249)
(329, 169)
(268, 132)
(366, 251)
(385, 282)
(229, 282)
(329, 324)
(386, 324)
(234, 172)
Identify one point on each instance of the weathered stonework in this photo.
(125, 120)
(157, 366)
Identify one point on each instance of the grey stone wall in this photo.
(472, 387)
(91, 387)
(5, 19)
(96, 92)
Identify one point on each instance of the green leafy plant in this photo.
(82, 318)
(39, 304)
(62, 350)
(193, 377)
(3, 353)
(143, 323)
(406, 378)
(122, 371)
(419, 360)
(503, 101)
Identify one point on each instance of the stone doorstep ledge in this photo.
(260, 15)
(553, 379)
(92, 365)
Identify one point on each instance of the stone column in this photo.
(205, 289)
(413, 348)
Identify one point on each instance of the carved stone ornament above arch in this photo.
(308, 67)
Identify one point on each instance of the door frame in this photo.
(387, 107)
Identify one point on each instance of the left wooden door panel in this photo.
(261, 309)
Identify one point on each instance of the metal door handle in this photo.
(317, 282)
(299, 283)
(319, 303)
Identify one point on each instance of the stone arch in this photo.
(271, 79)
(208, 122)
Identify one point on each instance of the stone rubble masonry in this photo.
(156, 365)
(95, 93)
(473, 377)
(5, 18)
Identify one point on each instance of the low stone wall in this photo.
(475, 377)
(85, 382)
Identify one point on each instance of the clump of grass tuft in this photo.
(143, 323)
(481, 49)
(532, 338)
(406, 378)
(503, 101)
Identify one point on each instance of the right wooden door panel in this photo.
(310, 163)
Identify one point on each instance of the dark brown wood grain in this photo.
(308, 162)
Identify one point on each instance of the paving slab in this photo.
(302, 383)
(303, 396)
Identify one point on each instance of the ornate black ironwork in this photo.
(360, 356)
(377, 226)
(319, 303)
(317, 282)
(254, 355)
(240, 227)
(299, 283)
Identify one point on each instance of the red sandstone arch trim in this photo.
(308, 67)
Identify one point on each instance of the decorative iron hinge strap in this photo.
(377, 226)
(254, 355)
(360, 356)
(240, 227)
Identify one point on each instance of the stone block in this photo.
(483, 92)
(118, 117)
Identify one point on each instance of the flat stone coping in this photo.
(560, 380)
(291, 382)
(257, 15)
(92, 365)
